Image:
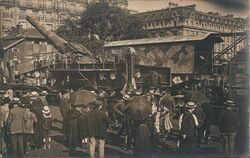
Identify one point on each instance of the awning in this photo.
(161, 40)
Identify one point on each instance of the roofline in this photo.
(13, 44)
(159, 40)
(163, 9)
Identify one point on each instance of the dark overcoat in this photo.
(71, 128)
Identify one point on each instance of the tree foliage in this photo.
(102, 22)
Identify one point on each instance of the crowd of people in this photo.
(26, 122)
(170, 117)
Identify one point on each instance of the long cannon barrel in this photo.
(57, 41)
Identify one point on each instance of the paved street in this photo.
(113, 147)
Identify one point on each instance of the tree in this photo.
(100, 22)
(70, 30)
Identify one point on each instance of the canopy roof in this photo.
(165, 40)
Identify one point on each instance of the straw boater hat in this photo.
(229, 103)
(138, 92)
(44, 93)
(33, 95)
(157, 92)
(46, 112)
(190, 105)
(6, 95)
(16, 101)
(179, 96)
(126, 97)
(151, 90)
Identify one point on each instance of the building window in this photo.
(175, 32)
(72, 7)
(7, 24)
(192, 23)
(174, 23)
(49, 26)
(157, 23)
(153, 34)
(162, 34)
(162, 23)
(223, 46)
(49, 3)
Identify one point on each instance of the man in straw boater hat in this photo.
(187, 128)
(15, 126)
(36, 108)
(43, 99)
(119, 108)
(228, 124)
(179, 107)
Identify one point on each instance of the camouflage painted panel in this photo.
(179, 57)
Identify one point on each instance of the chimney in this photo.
(172, 5)
(19, 28)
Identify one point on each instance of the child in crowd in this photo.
(47, 122)
(167, 122)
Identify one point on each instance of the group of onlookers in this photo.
(25, 123)
(176, 116)
(84, 125)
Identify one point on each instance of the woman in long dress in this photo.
(142, 144)
(71, 128)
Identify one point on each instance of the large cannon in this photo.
(60, 44)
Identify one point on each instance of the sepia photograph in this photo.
(124, 78)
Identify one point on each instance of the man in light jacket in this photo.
(16, 128)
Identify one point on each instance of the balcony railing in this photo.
(69, 65)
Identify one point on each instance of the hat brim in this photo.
(190, 107)
(47, 116)
(158, 94)
(46, 112)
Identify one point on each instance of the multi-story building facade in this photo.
(186, 20)
(48, 12)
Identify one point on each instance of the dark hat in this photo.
(229, 103)
(190, 105)
(97, 104)
(6, 100)
(28, 105)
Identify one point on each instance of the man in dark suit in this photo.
(188, 123)
(97, 123)
(228, 124)
(199, 113)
